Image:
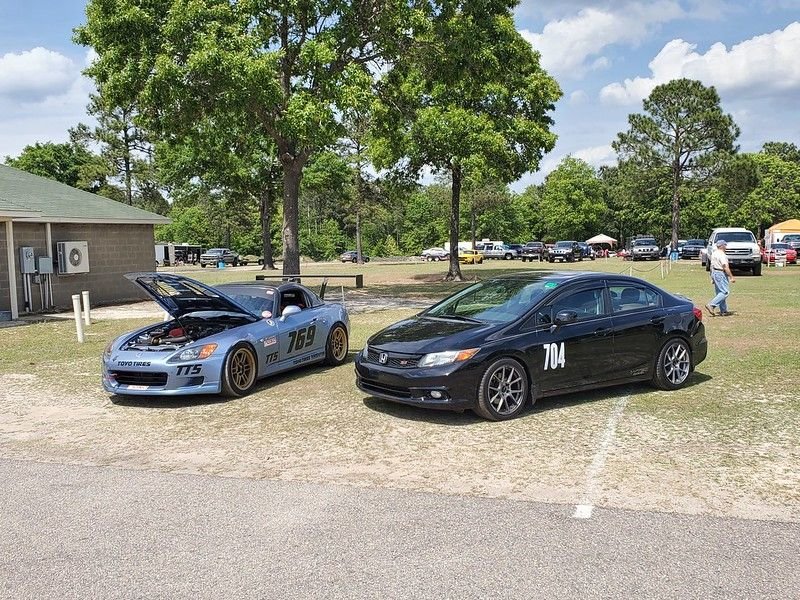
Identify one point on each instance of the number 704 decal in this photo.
(554, 356)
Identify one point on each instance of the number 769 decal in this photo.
(554, 356)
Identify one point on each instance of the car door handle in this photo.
(657, 320)
(602, 331)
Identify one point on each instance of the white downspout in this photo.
(12, 275)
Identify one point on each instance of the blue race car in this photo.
(222, 339)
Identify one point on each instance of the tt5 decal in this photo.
(272, 357)
(554, 356)
(189, 369)
(302, 338)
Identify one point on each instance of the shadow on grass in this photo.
(262, 385)
(462, 418)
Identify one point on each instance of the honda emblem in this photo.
(383, 358)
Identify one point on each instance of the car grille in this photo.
(140, 378)
(371, 385)
(394, 360)
(739, 252)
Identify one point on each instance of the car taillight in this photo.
(697, 313)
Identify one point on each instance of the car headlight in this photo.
(436, 359)
(365, 352)
(198, 352)
(107, 351)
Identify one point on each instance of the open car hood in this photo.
(180, 295)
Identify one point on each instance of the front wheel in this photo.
(503, 390)
(757, 270)
(508, 256)
(673, 365)
(239, 371)
(203, 265)
(429, 258)
(355, 260)
(337, 346)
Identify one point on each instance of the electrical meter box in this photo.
(27, 261)
(45, 265)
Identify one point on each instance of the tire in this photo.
(429, 258)
(757, 270)
(503, 390)
(203, 265)
(354, 259)
(673, 365)
(366, 259)
(235, 262)
(508, 257)
(239, 371)
(337, 345)
(552, 260)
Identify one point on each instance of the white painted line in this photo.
(583, 510)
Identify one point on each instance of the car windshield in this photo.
(780, 246)
(494, 301)
(794, 237)
(645, 242)
(563, 244)
(737, 236)
(696, 243)
(216, 251)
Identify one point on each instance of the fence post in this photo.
(76, 308)
(87, 310)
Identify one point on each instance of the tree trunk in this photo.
(266, 226)
(454, 273)
(292, 175)
(676, 205)
(472, 222)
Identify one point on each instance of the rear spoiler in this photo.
(322, 289)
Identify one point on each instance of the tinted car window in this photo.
(587, 303)
(626, 298)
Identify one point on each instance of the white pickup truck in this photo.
(742, 249)
(498, 251)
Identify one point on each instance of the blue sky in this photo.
(606, 55)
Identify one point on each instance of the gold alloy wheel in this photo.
(243, 368)
(339, 344)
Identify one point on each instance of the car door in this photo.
(302, 335)
(637, 316)
(567, 355)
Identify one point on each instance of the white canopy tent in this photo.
(602, 239)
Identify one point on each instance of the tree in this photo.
(783, 150)
(683, 131)
(284, 70)
(573, 205)
(71, 163)
(471, 96)
(775, 198)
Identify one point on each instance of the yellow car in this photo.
(470, 257)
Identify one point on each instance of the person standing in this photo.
(721, 277)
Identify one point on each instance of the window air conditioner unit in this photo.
(73, 257)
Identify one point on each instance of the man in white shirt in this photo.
(721, 276)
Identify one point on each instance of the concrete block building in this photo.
(44, 217)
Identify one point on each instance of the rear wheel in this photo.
(337, 346)
(239, 371)
(673, 365)
(503, 390)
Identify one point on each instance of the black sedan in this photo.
(692, 248)
(497, 345)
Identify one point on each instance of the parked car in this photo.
(352, 256)
(517, 247)
(470, 257)
(566, 251)
(644, 248)
(779, 252)
(499, 344)
(587, 251)
(742, 249)
(532, 251)
(223, 338)
(692, 248)
(213, 256)
(435, 254)
(499, 251)
(793, 239)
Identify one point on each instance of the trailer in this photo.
(170, 254)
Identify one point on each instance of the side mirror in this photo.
(289, 311)
(565, 316)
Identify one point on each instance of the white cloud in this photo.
(34, 75)
(597, 156)
(577, 97)
(566, 44)
(766, 65)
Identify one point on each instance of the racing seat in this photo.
(292, 298)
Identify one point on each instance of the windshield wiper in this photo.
(457, 318)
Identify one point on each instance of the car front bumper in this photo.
(457, 383)
(155, 377)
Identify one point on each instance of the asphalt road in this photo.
(89, 532)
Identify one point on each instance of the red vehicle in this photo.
(781, 251)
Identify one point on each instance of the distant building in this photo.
(99, 240)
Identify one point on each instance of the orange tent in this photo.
(790, 226)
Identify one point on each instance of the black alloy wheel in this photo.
(503, 390)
